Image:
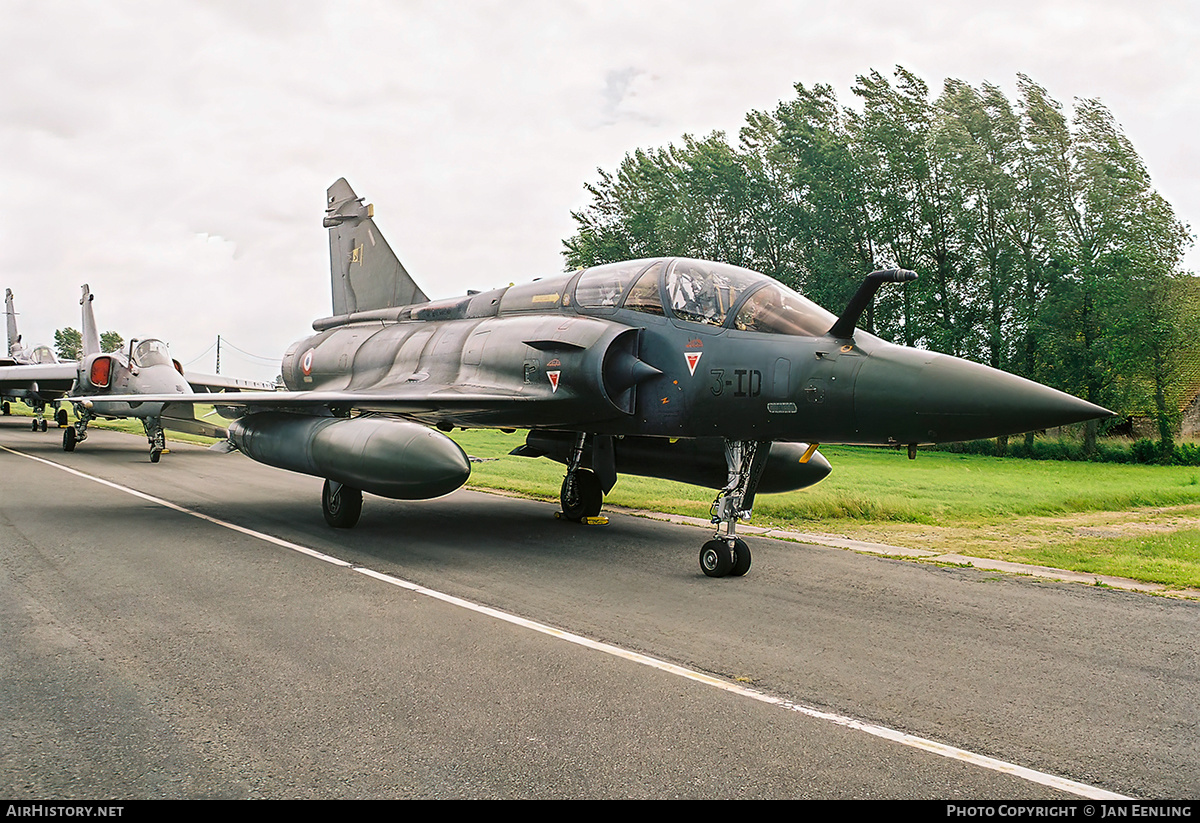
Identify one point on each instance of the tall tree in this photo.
(68, 343)
(1042, 245)
(915, 205)
(823, 241)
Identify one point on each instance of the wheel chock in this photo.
(587, 521)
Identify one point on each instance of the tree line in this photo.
(68, 343)
(1042, 246)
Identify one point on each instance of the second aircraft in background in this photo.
(145, 368)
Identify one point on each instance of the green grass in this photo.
(1020, 510)
(128, 425)
(1171, 558)
(881, 485)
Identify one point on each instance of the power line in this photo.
(197, 357)
(225, 342)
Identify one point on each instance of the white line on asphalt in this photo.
(924, 744)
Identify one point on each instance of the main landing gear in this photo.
(340, 504)
(727, 554)
(155, 437)
(73, 435)
(39, 418)
(581, 495)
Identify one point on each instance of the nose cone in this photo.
(924, 397)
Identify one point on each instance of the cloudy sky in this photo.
(175, 155)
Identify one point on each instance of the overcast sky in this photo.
(175, 155)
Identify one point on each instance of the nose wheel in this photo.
(720, 557)
(727, 555)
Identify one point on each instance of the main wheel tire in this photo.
(741, 558)
(343, 509)
(42, 424)
(155, 455)
(716, 560)
(60, 417)
(69, 439)
(583, 497)
(33, 425)
(7, 409)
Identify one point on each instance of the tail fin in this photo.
(14, 339)
(366, 273)
(91, 338)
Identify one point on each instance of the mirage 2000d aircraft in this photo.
(147, 368)
(685, 369)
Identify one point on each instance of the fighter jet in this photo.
(39, 386)
(671, 367)
(146, 368)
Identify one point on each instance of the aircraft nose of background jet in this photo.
(929, 397)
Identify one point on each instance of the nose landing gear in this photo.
(727, 554)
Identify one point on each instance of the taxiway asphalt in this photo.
(147, 652)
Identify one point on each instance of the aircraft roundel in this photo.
(553, 376)
(306, 362)
(692, 357)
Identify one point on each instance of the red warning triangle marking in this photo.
(692, 357)
(553, 375)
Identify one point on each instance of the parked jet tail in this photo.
(14, 338)
(91, 337)
(366, 273)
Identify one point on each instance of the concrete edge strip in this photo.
(883, 732)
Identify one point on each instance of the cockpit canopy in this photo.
(42, 355)
(698, 291)
(151, 353)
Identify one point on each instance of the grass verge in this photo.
(1135, 521)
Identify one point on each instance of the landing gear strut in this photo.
(581, 495)
(155, 437)
(73, 435)
(39, 417)
(728, 554)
